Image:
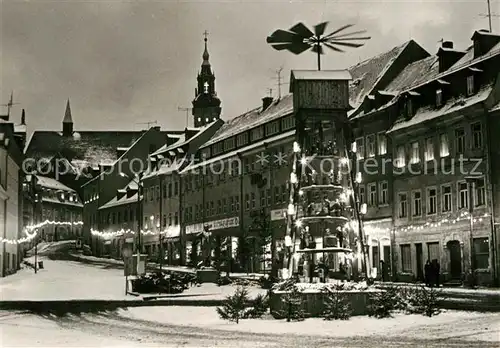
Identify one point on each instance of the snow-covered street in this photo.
(201, 327)
(65, 280)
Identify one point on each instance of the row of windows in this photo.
(252, 201)
(60, 195)
(373, 198)
(446, 198)
(258, 133)
(170, 219)
(213, 208)
(153, 193)
(480, 261)
(60, 214)
(117, 217)
(375, 145)
(476, 142)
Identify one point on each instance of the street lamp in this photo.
(139, 218)
(29, 187)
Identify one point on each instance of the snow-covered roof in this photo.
(428, 113)
(364, 77)
(253, 118)
(320, 75)
(414, 73)
(46, 182)
(65, 202)
(495, 107)
(114, 202)
(167, 167)
(234, 153)
(132, 185)
(366, 74)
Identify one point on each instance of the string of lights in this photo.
(119, 233)
(34, 229)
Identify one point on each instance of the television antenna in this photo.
(10, 104)
(299, 39)
(187, 112)
(489, 15)
(279, 79)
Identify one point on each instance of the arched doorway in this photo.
(455, 259)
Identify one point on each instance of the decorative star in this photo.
(262, 158)
(280, 158)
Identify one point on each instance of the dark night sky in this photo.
(124, 62)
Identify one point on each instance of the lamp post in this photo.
(29, 186)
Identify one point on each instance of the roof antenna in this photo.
(489, 15)
(279, 79)
(187, 114)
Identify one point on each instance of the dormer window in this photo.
(205, 88)
(470, 85)
(439, 97)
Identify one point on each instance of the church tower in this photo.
(67, 121)
(206, 104)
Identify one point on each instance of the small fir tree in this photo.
(235, 306)
(292, 303)
(425, 301)
(337, 305)
(259, 306)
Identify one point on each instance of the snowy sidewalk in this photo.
(70, 280)
(64, 280)
(448, 290)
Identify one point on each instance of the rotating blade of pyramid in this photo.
(336, 38)
(330, 46)
(317, 49)
(346, 34)
(302, 30)
(319, 29)
(296, 48)
(339, 30)
(348, 44)
(283, 36)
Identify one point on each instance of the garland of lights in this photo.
(291, 215)
(109, 235)
(34, 228)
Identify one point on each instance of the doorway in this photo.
(420, 272)
(455, 259)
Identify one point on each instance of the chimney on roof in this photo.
(447, 56)
(266, 102)
(447, 44)
(23, 118)
(483, 41)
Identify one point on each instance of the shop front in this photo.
(213, 243)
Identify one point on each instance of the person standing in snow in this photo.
(427, 273)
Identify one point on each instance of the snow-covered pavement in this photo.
(64, 280)
(68, 280)
(200, 327)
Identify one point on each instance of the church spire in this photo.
(205, 52)
(67, 121)
(206, 104)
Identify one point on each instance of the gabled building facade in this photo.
(10, 200)
(431, 120)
